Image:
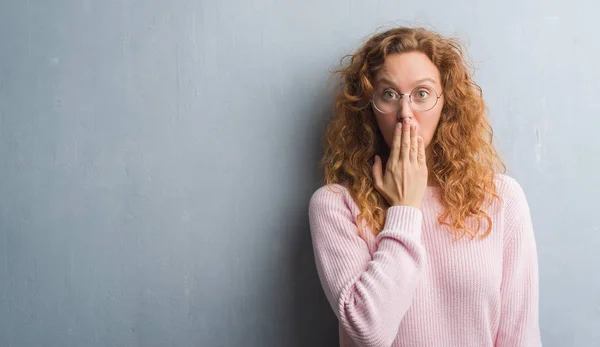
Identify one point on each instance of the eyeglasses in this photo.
(421, 99)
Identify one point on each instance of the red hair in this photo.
(464, 160)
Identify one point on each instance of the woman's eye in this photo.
(422, 94)
(388, 94)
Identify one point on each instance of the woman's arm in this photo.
(369, 295)
(519, 314)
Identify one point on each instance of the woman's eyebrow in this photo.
(427, 79)
(386, 80)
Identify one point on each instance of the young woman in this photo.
(420, 238)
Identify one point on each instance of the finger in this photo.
(421, 156)
(377, 175)
(414, 145)
(396, 144)
(405, 146)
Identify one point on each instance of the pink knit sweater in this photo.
(412, 285)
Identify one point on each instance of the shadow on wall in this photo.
(315, 324)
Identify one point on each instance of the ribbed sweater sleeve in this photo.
(519, 317)
(369, 294)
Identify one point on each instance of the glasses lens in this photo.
(423, 98)
(386, 100)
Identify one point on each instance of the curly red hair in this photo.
(464, 162)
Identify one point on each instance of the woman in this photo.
(420, 239)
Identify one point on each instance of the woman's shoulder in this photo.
(514, 201)
(508, 187)
(335, 196)
(335, 191)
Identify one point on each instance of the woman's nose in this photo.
(405, 111)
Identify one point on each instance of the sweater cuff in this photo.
(403, 219)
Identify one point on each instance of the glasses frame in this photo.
(410, 103)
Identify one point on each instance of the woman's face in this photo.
(402, 73)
